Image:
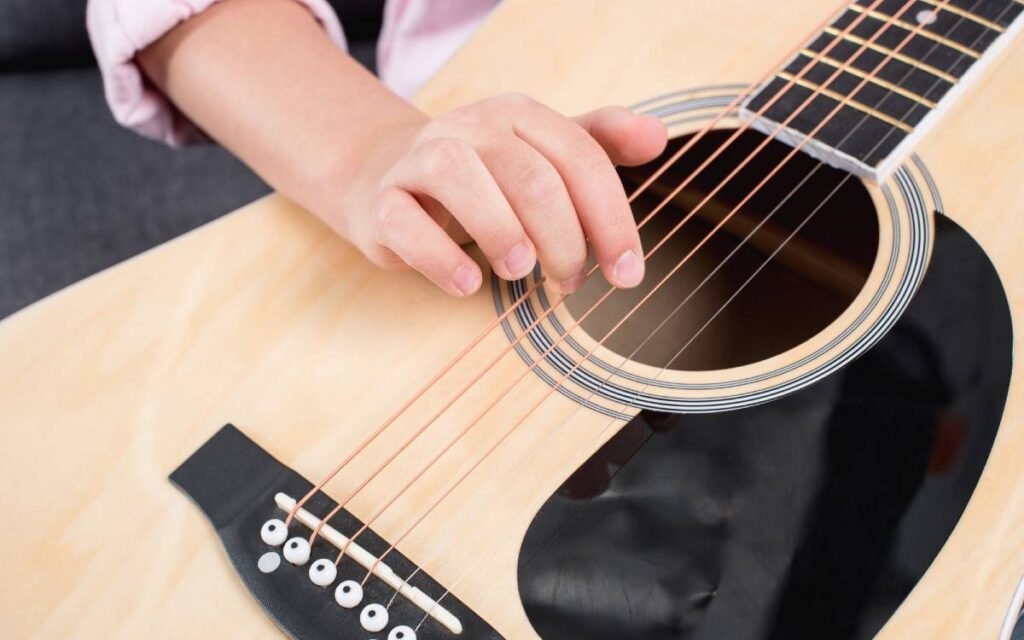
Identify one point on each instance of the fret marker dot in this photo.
(926, 17)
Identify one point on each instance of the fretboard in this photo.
(897, 103)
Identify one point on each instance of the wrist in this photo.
(340, 177)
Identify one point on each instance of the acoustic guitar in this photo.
(806, 423)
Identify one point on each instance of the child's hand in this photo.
(521, 180)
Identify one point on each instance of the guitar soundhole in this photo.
(810, 281)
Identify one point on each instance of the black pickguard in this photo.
(810, 517)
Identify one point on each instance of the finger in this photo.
(451, 172)
(539, 197)
(628, 138)
(444, 219)
(404, 229)
(593, 185)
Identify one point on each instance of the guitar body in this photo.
(907, 410)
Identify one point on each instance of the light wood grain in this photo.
(264, 319)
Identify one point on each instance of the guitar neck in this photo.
(892, 82)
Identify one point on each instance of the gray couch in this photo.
(77, 192)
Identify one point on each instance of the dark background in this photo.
(78, 193)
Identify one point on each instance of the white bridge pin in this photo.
(349, 594)
(296, 551)
(402, 632)
(274, 532)
(323, 572)
(374, 618)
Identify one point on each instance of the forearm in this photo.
(523, 181)
(263, 79)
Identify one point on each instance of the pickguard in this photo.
(809, 517)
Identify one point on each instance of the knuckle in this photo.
(466, 118)
(516, 99)
(388, 261)
(382, 257)
(540, 184)
(443, 156)
(388, 218)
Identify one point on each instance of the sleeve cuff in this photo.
(119, 29)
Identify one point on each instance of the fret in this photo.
(963, 13)
(835, 133)
(906, 26)
(850, 102)
(917, 47)
(911, 78)
(843, 83)
(958, 32)
(895, 55)
(865, 75)
(1001, 12)
(884, 79)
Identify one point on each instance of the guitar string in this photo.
(659, 327)
(369, 522)
(465, 429)
(525, 296)
(727, 302)
(505, 392)
(508, 348)
(601, 436)
(478, 500)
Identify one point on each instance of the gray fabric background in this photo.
(77, 192)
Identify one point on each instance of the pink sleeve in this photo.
(119, 29)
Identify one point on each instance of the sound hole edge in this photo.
(907, 200)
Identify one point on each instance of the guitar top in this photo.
(815, 429)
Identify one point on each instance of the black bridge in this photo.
(234, 482)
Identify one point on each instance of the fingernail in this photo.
(466, 279)
(519, 260)
(573, 283)
(629, 269)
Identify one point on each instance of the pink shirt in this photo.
(417, 38)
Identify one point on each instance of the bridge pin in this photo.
(349, 594)
(402, 632)
(274, 532)
(374, 618)
(323, 572)
(296, 551)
